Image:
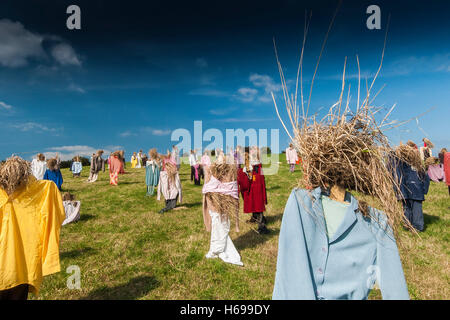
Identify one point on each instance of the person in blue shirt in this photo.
(53, 173)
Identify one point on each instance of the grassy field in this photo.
(126, 250)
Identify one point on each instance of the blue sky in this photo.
(137, 71)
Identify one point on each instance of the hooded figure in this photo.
(31, 214)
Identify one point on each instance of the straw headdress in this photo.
(14, 174)
(346, 147)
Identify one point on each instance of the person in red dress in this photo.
(252, 187)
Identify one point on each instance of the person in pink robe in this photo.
(115, 167)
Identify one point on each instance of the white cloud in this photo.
(5, 106)
(246, 94)
(208, 92)
(157, 132)
(19, 46)
(127, 134)
(222, 111)
(65, 55)
(75, 88)
(264, 81)
(68, 152)
(145, 130)
(35, 127)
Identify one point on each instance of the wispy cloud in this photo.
(222, 111)
(145, 130)
(246, 94)
(35, 127)
(75, 88)
(418, 64)
(68, 152)
(65, 55)
(209, 92)
(3, 105)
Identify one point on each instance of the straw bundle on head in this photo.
(410, 156)
(14, 173)
(52, 164)
(411, 144)
(345, 148)
(224, 172)
(429, 143)
(153, 154)
(68, 197)
(431, 161)
(171, 170)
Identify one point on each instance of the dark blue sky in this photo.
(138, 70)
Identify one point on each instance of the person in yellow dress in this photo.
(134, 160)
(31, 214)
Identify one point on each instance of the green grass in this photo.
(126, 250)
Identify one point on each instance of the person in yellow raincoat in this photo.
(31, 214)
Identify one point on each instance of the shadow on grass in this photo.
(133, 289)
(86, 217)
(251, 239)
(272, 219)
(191, 205)
(429, 219)
(273, 188)
(87, 251)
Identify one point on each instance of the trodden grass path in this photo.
(126, 250)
